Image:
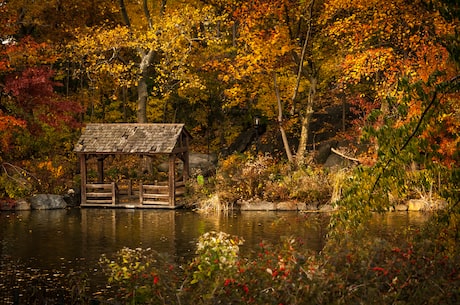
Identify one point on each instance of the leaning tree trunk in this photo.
(308, 110)
(306, 119)
(280, 122)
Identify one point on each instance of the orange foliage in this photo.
(27, 52)
(383, 41)
(7, 126)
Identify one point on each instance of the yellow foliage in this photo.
(384, 40)
(55, 172)
(118, 51)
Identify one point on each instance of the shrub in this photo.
(217, 258)
(413, 267)
(139, 276)
(417, 266)
(15, 182)
(245, 177)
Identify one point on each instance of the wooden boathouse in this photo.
(100, 141)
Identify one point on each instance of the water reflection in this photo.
(51, 239)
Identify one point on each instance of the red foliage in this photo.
(7, 125)
(32, 86)
(33, 90)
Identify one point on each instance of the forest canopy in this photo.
(389, 70)
(267, 86)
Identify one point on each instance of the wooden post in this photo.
(186, 170)
(100, 169)
(114, 193)
(141, 192)
(186, 173)
(83, 178)
(171, 183)
(130, 187)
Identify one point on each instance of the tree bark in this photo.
(302, 57)
(146, 59)
(306, 118)
(142, 96)
(163, 7)
(147, 14)
(308, 110)
(142, 93)
(280, 121)
(124, 13)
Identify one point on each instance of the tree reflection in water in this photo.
(57, 242)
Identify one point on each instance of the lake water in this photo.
(76, 238)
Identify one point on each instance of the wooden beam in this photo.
(186, 169)
(100, 169)
(114, 193)
(172, 180)
(83, 178)
(178, 150)
(141, 193)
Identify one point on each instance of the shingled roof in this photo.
(130, 138)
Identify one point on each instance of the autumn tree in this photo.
(382, 42)
(148, 49)
(277, 65)
(401, 71)
(30, 98)
(7, 121)
(37, 123)
(52, 20)
(29, 104)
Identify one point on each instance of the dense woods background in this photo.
(378, 77)
(386, 71)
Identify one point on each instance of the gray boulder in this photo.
(47, 202)
(335, 161)
(257, 205)
(324, 151)
(200, 164)
(286, 206)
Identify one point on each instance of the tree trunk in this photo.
(142, 96)
(163, 7)
(147, 14)
(146, 59)
(308, 111)
(142, 93)
(280, 122)
(306, 118)
(124, 13)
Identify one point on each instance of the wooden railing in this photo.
(153, 194)
(101, 193)
(159, 194)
